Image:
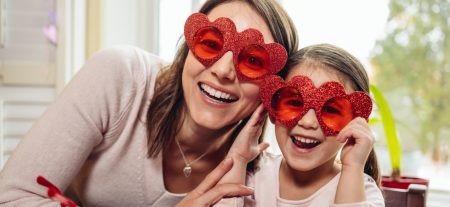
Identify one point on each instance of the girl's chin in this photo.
(300, 166)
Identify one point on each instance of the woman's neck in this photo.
(196, 139)
(203, 148)
(298, 185)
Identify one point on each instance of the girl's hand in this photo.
(208, 192)
(358, 139)
(246, 148)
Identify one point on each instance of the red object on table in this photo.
(402, 183)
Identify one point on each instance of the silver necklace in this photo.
(187, 168)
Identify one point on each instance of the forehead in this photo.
(320, 74)
(243, 16)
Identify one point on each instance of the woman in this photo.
(125, 134)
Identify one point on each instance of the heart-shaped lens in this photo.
(254, 61)
(208, 43)
(287, 103)
(336, 113)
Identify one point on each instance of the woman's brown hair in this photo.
(164, 115)
(335, 58)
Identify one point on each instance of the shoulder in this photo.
(369, 180)
(268, 161)
(268, 158)
(123, 64)
(121, 53)
(129, 57)
(373, 193)
(265, 180)
(268, 166)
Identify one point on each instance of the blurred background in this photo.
(404, 45)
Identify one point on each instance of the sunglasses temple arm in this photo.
(54, 193)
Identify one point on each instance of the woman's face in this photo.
(206, 88)
(319, 150)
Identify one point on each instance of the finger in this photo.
(358, 135)
(358, 128)
(258, 132)
(257, 116)
(224, 191)
(262, 118)
(263, 146)
(214, 176)
(346, 132)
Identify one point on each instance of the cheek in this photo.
(191, 70)
(191, 66)
(251, 91)
(333, 144)
(281, 133)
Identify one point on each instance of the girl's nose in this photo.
(224, 67)
(309, 120)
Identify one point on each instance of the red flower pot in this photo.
(401, 192)
(402, 183)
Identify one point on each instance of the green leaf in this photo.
(373, 121)
(389, 128)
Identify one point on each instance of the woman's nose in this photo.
(309, 120)
(224, 67)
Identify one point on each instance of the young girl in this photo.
(322, 106)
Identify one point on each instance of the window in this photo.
(170, 28)
(2, 23)
(27, 56)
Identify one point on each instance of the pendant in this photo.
(187, 170)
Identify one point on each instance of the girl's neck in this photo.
(298, 185)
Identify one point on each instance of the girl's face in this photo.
(206, 88)
(308, 130)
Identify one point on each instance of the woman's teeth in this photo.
(217, 95)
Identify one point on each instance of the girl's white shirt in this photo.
(265, 181)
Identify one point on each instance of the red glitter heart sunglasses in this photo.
(289, 102)
(253, 59)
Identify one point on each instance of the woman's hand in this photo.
(245, 147)
(358, 139)
(208, 192)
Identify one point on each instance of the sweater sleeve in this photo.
(84, 115)
(374, 197)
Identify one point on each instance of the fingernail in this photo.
(250, 189)
(227, 160)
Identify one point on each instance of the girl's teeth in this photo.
(305, 140)
(305, 143)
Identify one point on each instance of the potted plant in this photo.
(398, 190)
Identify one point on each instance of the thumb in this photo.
(263, 146)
